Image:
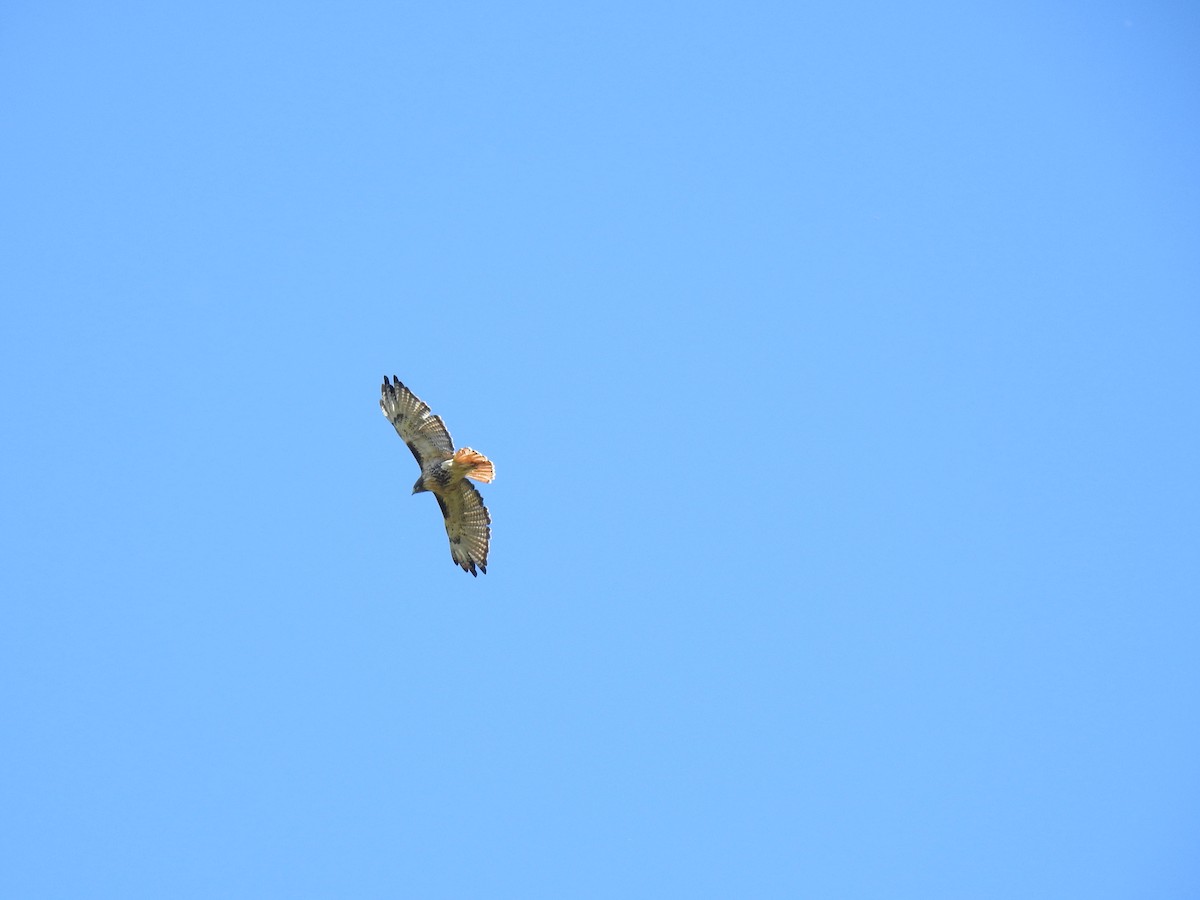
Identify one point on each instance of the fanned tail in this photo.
(480, 467)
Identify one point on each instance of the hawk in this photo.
(444, 471)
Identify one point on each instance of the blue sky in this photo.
(839, 364)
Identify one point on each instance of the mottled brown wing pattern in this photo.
(467, 522)
(425, 433)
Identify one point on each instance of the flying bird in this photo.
(444, 471)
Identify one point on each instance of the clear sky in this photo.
(839, 362)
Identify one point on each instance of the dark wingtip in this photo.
(469, 566)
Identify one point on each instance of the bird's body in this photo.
(439, 476)
(444, 471)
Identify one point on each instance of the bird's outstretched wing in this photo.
(425, 433)
(467, 522)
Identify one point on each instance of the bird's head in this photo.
(420, 485)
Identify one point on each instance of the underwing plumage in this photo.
(444, 473)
